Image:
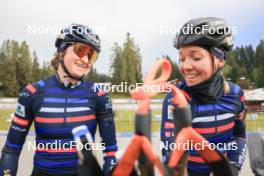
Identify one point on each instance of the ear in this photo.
(219, 63)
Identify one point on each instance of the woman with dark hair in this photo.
(218, 110)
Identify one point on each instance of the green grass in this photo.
(125, 120)
(259, 124)
(4, 116)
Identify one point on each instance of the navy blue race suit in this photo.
(220, 123)
(55, 110)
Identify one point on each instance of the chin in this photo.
(77, 74)
(191, 83)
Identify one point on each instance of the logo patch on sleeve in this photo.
(20, 110)
(170, 112)
(108, 99)
(108, 104)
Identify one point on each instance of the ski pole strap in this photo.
(143, 124)
(214, 158)
(137, 145)
(182, 117)
(143, 127)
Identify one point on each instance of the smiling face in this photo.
(76, 66)
(197, 64)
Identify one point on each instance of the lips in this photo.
(79, 65)
(191, 76)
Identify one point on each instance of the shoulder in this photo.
(91, 87)
(234, 96)
(103, 99)
(29, 93)
(32, 89)
(98, 91)
(35, 87)
(38, 86)
(235, 90)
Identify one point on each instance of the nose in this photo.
(84, 59)
(186, 65)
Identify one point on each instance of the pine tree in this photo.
(252, 61)
(175, 74)
(118, 66)
(9, 80)
(36, 71)
(259, 78)
(9, 51)
(131, 56)
(23, 64)
(46, 70)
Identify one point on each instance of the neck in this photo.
(208, 91)
(64, 77)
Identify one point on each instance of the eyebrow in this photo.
(191, 52)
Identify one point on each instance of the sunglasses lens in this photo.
(93, 57)
(82, 50)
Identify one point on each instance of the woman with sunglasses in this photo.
(217, 105)
(57, 105)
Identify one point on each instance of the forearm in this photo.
(9, 161)
(238, 154)
(108, 135)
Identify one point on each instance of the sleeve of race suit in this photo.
(17, 133)
(238, 155)
(105, 118)
(167, 128)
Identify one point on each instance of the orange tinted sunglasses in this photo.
(81, 50)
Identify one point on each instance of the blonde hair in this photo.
(226, 86)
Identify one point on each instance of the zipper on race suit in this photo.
(65, 106)
(215, 118)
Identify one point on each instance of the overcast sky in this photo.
(146, 20)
